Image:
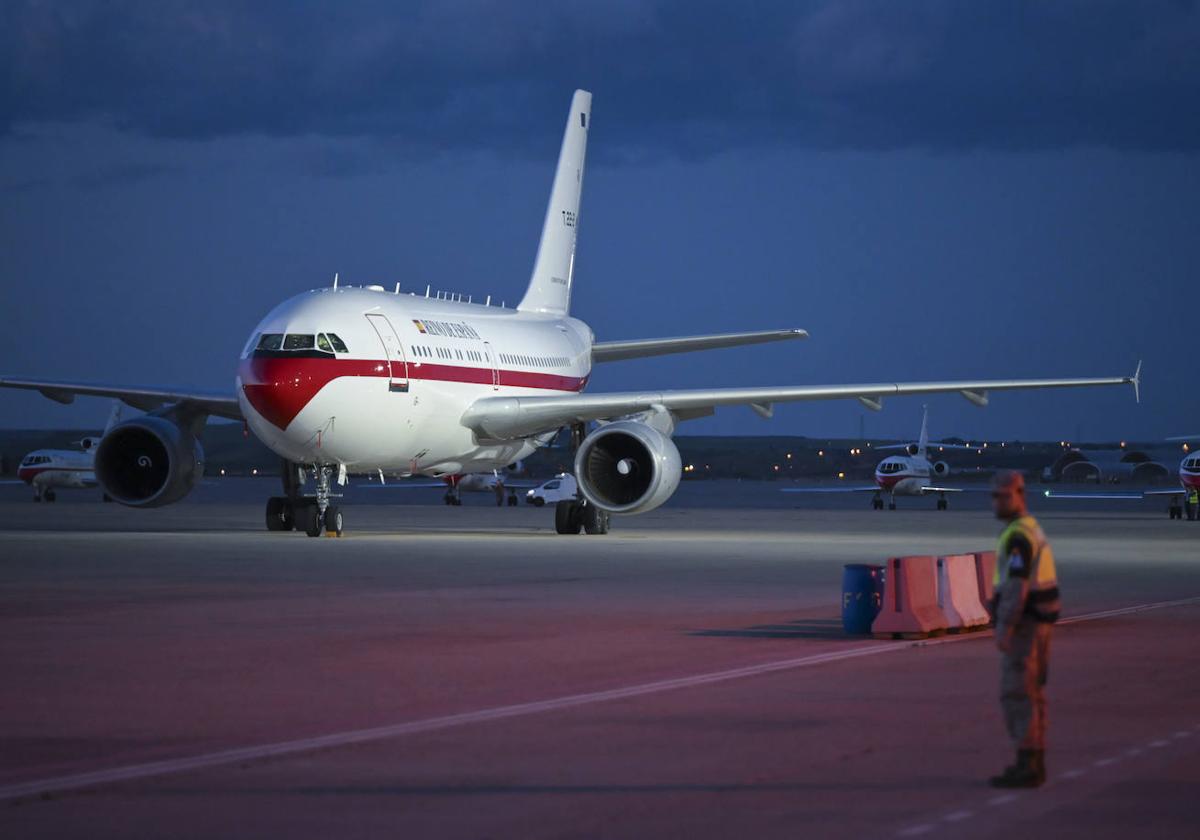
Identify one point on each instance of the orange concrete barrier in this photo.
(910, 601)
(958, 593)
(985, 575)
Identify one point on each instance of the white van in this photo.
(560, 488)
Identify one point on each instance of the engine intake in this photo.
(627, 467)
(148, 462)
(941, 468)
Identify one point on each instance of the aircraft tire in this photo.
(308, 519)
(333, 520)
(49, 496)
(595, 521)
(891, 505)
(280, 514)
(566, 517)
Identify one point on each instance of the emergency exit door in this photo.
(393, 351)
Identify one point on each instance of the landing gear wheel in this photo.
(512, 500)
(308, 519)
(891, 505)
(566, 517)
(595, 521)
(448, 500)
(333, 521)
(877, 504)
(280, 514)
(39, 498)
(941, 504)
(49, 496)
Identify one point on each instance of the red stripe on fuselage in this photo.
(279, 388)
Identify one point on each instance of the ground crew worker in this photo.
(1025, 607)
(1193, 502)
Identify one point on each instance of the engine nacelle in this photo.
(148, 462)
(627, 467)
(941, 468)
(913, 450)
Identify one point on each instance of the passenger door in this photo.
(491, 360)
(393, 351)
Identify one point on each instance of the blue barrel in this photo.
(862, 596)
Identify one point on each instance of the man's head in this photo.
(1008, 495)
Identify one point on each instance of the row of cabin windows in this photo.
(891, 467)
(325, 342)
(534, 361)
(35, 459)
(444, 353)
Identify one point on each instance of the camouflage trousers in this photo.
(1023, 672)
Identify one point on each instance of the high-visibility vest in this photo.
(1193, 496)
(1043, 601)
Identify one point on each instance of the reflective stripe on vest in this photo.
(1043, 600)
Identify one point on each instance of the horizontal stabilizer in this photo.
(615, 351)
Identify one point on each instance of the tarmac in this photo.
(465, 672)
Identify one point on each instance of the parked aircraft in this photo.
(363, 379)
(50, 470)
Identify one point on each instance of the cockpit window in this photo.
(338, 344)
(323, 343)
(270, 341)
(298, 342)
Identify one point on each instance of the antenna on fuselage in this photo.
(428, 286)
(488, 302)
(335, 279)
(397, 288)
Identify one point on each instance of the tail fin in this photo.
(553, 271)
(114, 416)
(923, 441)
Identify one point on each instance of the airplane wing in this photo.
(144, 399)
(929, 446)
(929, 488)
(1130, 496)
(615, 351)
(834, 489)
(507, 418)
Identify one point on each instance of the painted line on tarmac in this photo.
(60, 784)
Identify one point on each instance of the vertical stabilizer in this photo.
(553, 272)
(114, 416)
(923, 441)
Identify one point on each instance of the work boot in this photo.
(1024, 774)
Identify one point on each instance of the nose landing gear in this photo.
(310, 514)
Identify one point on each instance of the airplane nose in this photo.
(278, 389)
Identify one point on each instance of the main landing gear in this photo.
(310, 514)
(570, 516)
(942, 502)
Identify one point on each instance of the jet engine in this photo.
(627, 467)
(912, 449)
(941, 468)
(148, 462)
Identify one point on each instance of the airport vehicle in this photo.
(1189, 479)
(50, 470)
(910, 474)
(372, 380)
(561, 488)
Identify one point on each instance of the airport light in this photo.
(841, 475)
(776, 468)
(222, 472)
(821, 453)
(254, 471)
(788, 456)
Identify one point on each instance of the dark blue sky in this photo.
(932, 189)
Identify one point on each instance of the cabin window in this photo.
(270, 341)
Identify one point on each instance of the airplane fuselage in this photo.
(375, 380)
(903, 475)
(46, 469)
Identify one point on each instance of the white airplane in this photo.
(366, 380)
(497, 482)
(49, 470)
(1189, 481)
(910, 474)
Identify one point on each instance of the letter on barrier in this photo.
(910, 604)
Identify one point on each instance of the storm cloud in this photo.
(680, 79)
